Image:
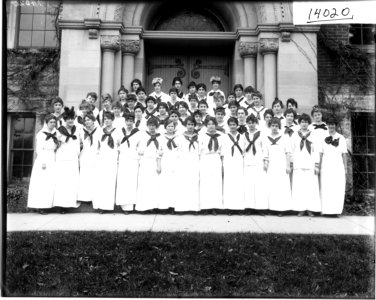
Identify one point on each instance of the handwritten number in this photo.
(348, 11)
(309, 18)
(326, 13)
(333, 15)
(318, 13)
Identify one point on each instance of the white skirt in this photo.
(67, 176)
(127, 180)
(255, 192)
(88, 173)
(279, 191)
(233, 192)
(169, 181)
(305, 191)
(42, 181)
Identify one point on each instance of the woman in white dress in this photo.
(233, 192)
(117, 109)
(67, 169)
(188, 169)
(333, 170)
(42, 180)
(89, 137)
(129, 140)
(305, 183)
(140, 121)
(254, 174)
(57, 106)
(158, 94)
(211, 157)
(169, 180)
(277, 166)
(148, 192)
(216, 82)
(105, 184)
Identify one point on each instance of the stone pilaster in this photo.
(129, 48)
(268, 45)
(110, 42)
(109, 45)
(248, 51)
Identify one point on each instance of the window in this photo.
(363, 133)
(37, 24)
(21, 147)
(361, 34)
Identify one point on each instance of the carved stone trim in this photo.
(93, 26)
(286, 36)
(110, 42)
(248, 49)
(130, 46)
(268, 45)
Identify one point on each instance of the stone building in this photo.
(69, 48)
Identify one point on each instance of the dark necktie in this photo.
(211, 94)
(235, 144)
(126, 137)
(321, 126)
(242, 129)
(330, 141)
(305, 141)
(64, 131)
(171, 143)
(138, 123)
(288, 130)
(213, 139)
(158, 99)
(150, 114)
(153, 138)
(274, 141)
(192, 140)
(51, 136)
(80, 120)
(252, 143)
(89, 135)
(110, 141)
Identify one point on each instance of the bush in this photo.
(17, 198)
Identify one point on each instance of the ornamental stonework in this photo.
(111, 42)
(248, 49)
(268, 45)
(130, 46)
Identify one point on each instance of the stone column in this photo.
(248, 50)
(109, 44)
(117, 73)
(129, 49)
(269, 47)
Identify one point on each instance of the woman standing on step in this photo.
(333, 170)
(67, 172)
(42, 183)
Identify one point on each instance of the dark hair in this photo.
(85, 104)
(249, 89)
(138, 105)
(276, 101)
(231, 94)
(252, 118)
(190, 119)
(107, 96)
(129, 116)
(109, 115)
(243, 109)
(131, 97)
(233, 103)
(275, 121)
(49, 117)
(90, 116)
(257, 94)
(173, 90)
(140, 89)
(197, 112)
(304, 117)
(316, 108)
(269, 112)
(192, 97)
(201, 85)
(122, 88)
(57, 100)
(219, 96)
(290, 111)
(92, 95)
(151, 98)
(163, 104)
(176, 79)
(220, 109)
(69, 113)
(238, 86)
(192, 83)
(152, 121)
(292, 102)
(136, 81)
(233, 120)
(203, 102)
(184, 104)
(117, 104)
(168, 121)
(208, 119)
(174, 111)
(332, 120)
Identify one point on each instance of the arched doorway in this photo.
(194, 58)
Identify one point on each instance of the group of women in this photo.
(189, 152)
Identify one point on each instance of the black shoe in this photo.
(63, 211)
(42, 212)
(125, 212)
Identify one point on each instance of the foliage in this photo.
(188, 265)
(17, 198)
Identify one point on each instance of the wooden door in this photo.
(190, 68)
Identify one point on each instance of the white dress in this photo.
(141, 124)
(333, 179)
(42, 181)
(127, 178)
(67, 170)
(210, 100)
(119, 122)
(88, 163)
(169, 179)
(255, 191)
(305, 184)
(148, 192)
(233, 168)
(188, 168)
(162, 96)
(279, 192)
(210, 172)
(105, 184)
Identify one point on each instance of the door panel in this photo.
(190, 68)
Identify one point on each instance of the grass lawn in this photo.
(188, 265)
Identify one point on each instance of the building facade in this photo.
(99, 46)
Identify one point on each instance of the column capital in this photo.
(268, 45)
(110, 42)
(248, 49)
(130, 46)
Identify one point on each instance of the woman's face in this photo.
(88, 122)
(241, 114)
(215, 86)
(57, 107)
(277, 108)
(138, 113)
(332, 127)
(202, 108)
(173, 96)
(251, 126)
(233, 110)
(190, 126)
(193, 103)
(174, 117)
(51, 124)
(177, 85)
(304, 124)
(150, 105)
(117, 111)
(141, 96)
(122, 95)
(211, 126)
(131, 104)
(268, 117)
(256, 100)
(198, 119)
(192, 89)
(289, 118)
(135, 86)
(170, 128)
(317, 116)
(157, 88)
(230, 98)
(232, 126)
(152, 128)
(201, 92)
(182, 110)
(107, 104)
(275, 128)
(220, 117)
(129, 123)
(290, 105)
(238, 92)
(69, 122)
(162, 110)
(107, 122)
